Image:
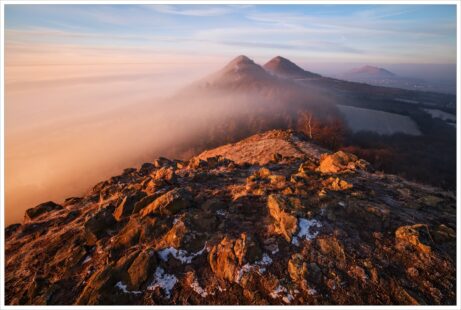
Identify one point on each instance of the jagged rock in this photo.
(225, 257)
(331, 246)
(336, 184)
(42, 208)
(126, 206)
(415, 235)
(145, 201)
(223, 261)
(247, 249)
(169, 203)
(127, 237)
(165, 173)
(286, 224)
(162, 162)
(146, 168)
(340, 162)
(297, 268)
(96, 226)
(141, 268)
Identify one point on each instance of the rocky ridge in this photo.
(272, 219)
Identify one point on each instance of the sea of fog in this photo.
(70, 126)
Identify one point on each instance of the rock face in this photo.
(268, 220)
(43, 208)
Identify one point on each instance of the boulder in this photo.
(145, 201)
(36, 211)
(168, 204)
(297, 268)
(286, 224)
(161, 162)
(141, 268)
(416, 236)
(340, 162)
(226, 257)
(126, 205)
(223, 261)
(127, 237)
(166, 174)
(247, 249)
(96, 226)
(146, 169)
(336, 184)
(332, 247)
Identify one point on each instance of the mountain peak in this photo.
(286, 68)
(240, 60)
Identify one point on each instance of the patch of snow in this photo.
(311, 291)
(175, 220)
(342, 204)
(164, 281)
(180, 255)
(198, 289)
(281, 291)
(123, 288)
(221, 212)
(305, 226)
(86, 260)
(258, 266)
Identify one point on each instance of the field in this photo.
(385, 123)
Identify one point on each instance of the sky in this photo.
(84, 84)
(424, 34)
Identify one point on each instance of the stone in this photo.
(226, 257)
(247, 249)
(126, 206)
(223, 261)
(286, 224)
(166, 174)
(96, 226)
(168, 204)
(297, 268)
(42, 208)
(340, 162)
(416, 236)
(336, 184)
(142, 267)
(331, 246)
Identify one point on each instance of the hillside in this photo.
(272, 219)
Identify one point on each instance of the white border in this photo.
(363, 2)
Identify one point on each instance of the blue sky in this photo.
(327, 33)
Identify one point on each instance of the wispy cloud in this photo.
(198, 10)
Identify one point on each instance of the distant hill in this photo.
(285, 68)
(369, 72)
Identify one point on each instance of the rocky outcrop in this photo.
(41, 209)
(270, 220)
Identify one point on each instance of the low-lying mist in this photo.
(66, 133)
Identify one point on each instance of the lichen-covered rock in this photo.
(297, 268)
(226, 257)
(340, 162)
(169, 203)
(286, 224)
(414, 235)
